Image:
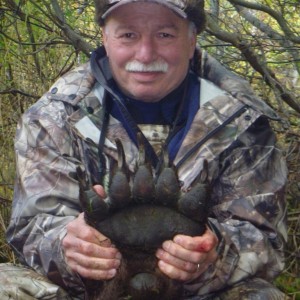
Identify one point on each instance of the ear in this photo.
(104, 38)
(193, 43)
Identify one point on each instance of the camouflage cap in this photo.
(193, 10)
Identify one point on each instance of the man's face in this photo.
(149, 48)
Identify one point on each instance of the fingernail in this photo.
(118, 255)
(166, 245)
(112, 272)
(159, 253)
(161, 264)
(117, 264)
(177, 239)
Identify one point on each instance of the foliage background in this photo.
(42, 39)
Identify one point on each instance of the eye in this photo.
(127, 35)
(165, 35)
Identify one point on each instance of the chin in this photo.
(144, 97)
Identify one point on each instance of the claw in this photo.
(194, 203)
(95, 209)
(143, 190)
(167, 184)
(119, 190)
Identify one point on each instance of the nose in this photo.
(146, 50)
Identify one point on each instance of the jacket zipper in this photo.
(236, 114)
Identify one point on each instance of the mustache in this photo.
(156, 66)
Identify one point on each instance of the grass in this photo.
(6, 255)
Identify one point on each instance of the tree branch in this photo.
(268, 76)
(77, 41)
(15, 92)
(272, 34)
(277, 16)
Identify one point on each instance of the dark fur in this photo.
(133, 263)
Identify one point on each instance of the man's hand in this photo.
(186, 258)
(88, 252)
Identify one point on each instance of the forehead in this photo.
(143, 14)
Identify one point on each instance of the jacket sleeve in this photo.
(46, 196)
(248, 211)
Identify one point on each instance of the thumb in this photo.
(99, 190)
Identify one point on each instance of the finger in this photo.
(173, 272)
(94, 236)
(93, 250)
(182, 253)
(99, 190)
(184, 265)
(180, 274)
(74, 244)
(93, 273)
(86, 232)
(93, 263)
(204, 243)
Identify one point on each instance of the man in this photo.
(148, 78)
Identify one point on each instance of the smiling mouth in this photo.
(147, 72)
(146, 75)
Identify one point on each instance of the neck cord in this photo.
(105, 118)
(155, 161)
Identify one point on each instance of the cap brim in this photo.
(167, 4)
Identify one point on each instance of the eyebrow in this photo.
(171, 26)
(134, 28)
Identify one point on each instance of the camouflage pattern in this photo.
(19, 282)
(22, 283)
(246, 168)
(250, 289)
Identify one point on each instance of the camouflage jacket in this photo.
(230, 130)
